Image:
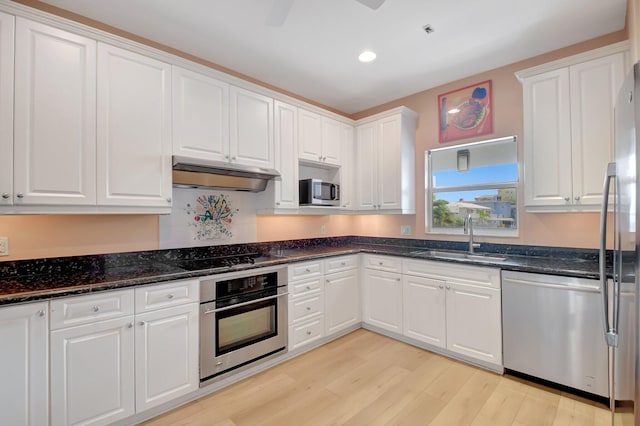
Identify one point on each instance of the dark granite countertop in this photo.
(41, 279)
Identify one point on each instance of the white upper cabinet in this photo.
(251, 134)
(200, 116)
(568, 128)
(385, 162)
(7, 24)
(347, 186)
(319, 138)
(55, 116)
(134, 129)
(286, 135)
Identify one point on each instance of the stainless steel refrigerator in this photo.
(619, 265)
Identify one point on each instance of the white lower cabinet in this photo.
(341, 294)
(382, 293)
(24, 361)
(92, 373)
(454, 307)
(424, 310)
(110, 360)
(306, 303)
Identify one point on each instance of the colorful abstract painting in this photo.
(212, 216)
(465, 113)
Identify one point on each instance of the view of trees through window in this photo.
(486, 188)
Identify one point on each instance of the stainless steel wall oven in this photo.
(243, 319)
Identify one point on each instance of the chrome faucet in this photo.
(468, 227)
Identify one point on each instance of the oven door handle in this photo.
(237, 305)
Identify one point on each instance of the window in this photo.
(478, 179)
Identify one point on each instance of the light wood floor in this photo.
(368, 379)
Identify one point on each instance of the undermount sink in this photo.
(441, 254)
(287, 252)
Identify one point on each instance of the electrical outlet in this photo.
(323, 230)
(4, 246)
(405, 229)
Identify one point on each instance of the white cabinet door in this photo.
(200, 116)
(166, 351)
(474, 326)
(55, 116)
(7, 24)
(286, 148)
(310, 136)
(594, 87)
(389, 170)
(342, 301)
(251, 133)
(24, 363)
(347, 171)
(424, 310)
(92, 373)
(382, 300)
(547, 130)
(331, 138)
(366, 167)
(134, 129)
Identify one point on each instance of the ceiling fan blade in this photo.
(279, 12)
(373, 4)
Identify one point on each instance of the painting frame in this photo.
(466, 112)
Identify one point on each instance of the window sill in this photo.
(511, 233)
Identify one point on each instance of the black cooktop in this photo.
(223, 262)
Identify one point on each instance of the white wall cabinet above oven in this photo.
(385, 162)
(568, 128)
(216, 121)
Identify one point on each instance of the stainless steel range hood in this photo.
(196, 173)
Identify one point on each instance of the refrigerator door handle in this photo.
(610, 332)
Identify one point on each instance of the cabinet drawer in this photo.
(305, 333)
(342, 263)
(306, 287)
(383, 263)
(84, 309)
(165, 295)
(305, 308)
(304, 270)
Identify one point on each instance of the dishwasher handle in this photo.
(610, 330)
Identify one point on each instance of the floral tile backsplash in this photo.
(201, 217)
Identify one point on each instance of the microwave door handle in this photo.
(333, 192)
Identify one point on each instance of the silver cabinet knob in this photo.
(130, 325)
(448, 287)
(328, 281)
(380, 263)
(219, 363)
(398, 279)
(233, 158)
(226, 157)
(320, 158)
(5, 195)
(170, 296)
(308, 308)
(440, 286)
(277, 203)
(567, 199)
(308, 333)
(577, 198)
(141, 323)
(343, 263)
(168, 199)
(95, 308)
(308, 287)
(20, 195)
(41, 313)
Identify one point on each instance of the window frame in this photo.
(429, 192)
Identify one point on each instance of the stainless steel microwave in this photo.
(316, 192)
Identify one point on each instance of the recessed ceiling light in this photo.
(367, 56)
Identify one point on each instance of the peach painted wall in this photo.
(633, 28)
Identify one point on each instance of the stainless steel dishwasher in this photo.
(552, 329)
